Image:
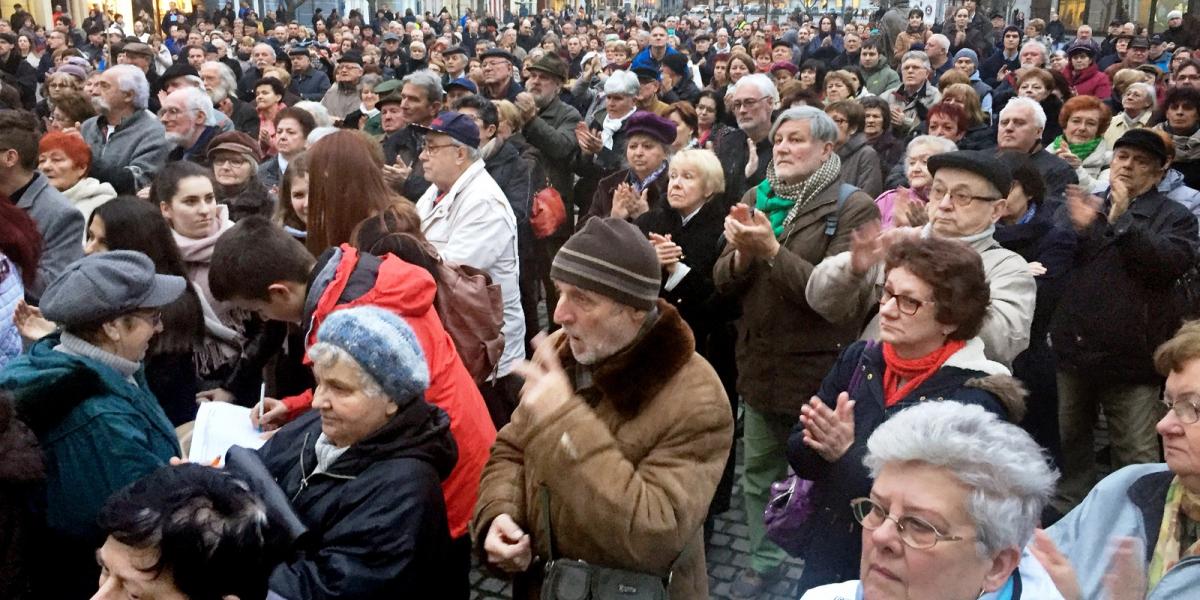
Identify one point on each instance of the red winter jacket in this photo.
(1089, 82)
(344, 278)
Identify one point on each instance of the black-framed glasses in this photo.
(914, 532)
(960, 198)
(1185, 408)
(749, 103)
(907, 304)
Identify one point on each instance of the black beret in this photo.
(983, 164)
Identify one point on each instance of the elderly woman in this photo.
(602, 141)
(64, 158)
(366, 117)
(779, 231)
(99, 437)
(1137, 102)
(860, 164)
(370, 457)
(960, 517)
(1084, 121)
(877, 125)
(234, 158)
(60, 82)
(905, 206)
(839, 86)
(1182, 110)
(70, 111)
(1136, 529)
(641, 186)
(1038, 84)
(292, 126)
(934, 301)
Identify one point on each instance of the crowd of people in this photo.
(512, 288)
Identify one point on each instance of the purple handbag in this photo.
(790, 507)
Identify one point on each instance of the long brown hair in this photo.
(345, 186)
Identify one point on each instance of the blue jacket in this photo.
(11, 292)
(835, 540)
(1129, 502)
(99, 432)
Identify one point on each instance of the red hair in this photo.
(71, 144)
(953, 112)
(19, 239)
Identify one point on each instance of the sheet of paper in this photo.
(220, 425)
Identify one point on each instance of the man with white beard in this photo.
(190, 122)
(128, 143)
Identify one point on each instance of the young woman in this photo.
(291, 213)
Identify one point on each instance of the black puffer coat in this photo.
(376, 518)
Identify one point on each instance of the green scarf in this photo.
(1083, 150)
(781, 202)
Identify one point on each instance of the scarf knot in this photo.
(913, 371)
(781, 202)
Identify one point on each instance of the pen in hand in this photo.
(262, 396)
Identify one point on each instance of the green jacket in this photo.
(882, 80)
(99, 432)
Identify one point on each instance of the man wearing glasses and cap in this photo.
(498, 81)
(342, 98)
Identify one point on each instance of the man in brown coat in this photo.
(623, 425)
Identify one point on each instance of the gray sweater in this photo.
(129, 158)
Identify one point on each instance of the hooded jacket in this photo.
(631, 461)
(967, 377)
(376, 518)
(344, 278)
(860, 165)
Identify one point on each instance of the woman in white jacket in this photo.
(1084, 121)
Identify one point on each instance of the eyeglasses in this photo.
(233, 161)
(429, 149)
(914, 532)
(152, 318)
(960, 198)
(1185, 408)
(749, 103)
(907, 304)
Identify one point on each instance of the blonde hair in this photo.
(1125, 78)
(509, 114)
(707, 163)
(970, 99)
(846, 78)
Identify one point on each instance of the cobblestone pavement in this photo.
(726, 554)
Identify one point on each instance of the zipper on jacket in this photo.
(304, 478)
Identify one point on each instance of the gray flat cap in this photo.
(102, 286)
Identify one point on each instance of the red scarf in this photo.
(915, 370)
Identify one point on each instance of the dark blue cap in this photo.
(463, 83)
(456, 125)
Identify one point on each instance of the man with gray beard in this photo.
(221, 86)
(128, 143)
(190, 122)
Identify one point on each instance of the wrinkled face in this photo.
(1138, 56)
(619, 105)
(348, 72)
(1017, 130)
(1181, 441)
(1032, 56)
(781, 53)
(232, 168)
(265, 97)
(57, 86)
(919, 330)
(914, 74)
(1058, 61)
(289, 137)
(964, 65)
(107, 97)
(687, 189)
(496, 70)
(440, 159)
(542, 86)
(596, 326)
(869, 58)
(1082, 126)
(1034, 88)
(917, 167)
(1135, 100)
(417, 51)
(835, 90)
(300, 63)
(192, 211)
(945, 127)
(645, 154)
(852, 43)
(873, 122)
(797, 154)
(367, 95)
(391, 117)
(843, 127)
(62, 172)
(1080, 61)
(348, 413)
(1181, 116)
(128, 572)
(456, 62)
(951, 220)
(262, 56)
(890, 570)
(737, 70)
(415, 105)
(1137, 168)
(180, 122)
(751, 107)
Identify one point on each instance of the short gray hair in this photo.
(624, 83)
(941, 40)
(228, 80)
(320, 114)
(1149, 89)
(1039, 113)
(938, 143)
(759, 80)
(326, 356)
(472, 153)
(1007, 474)
(195, 99)
(916, 55)
(1041, 48)
(369, 81)
(132, 79)
(823, 127)
(428, 81)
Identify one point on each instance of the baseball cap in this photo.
(458, 126)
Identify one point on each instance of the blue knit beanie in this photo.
(968, 53)
(384, 346)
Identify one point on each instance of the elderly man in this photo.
(343, 99)
(1134, 243)
(1137, 55)
(804, 214)
(466, 216)
(967, 198)
(261, 57)
(391, 115)
(310, 82)
(221, 85)
(937, 48)
(59, 223)
(746, 151)
(142, 56)
(1020, 128)
(622, 430)
(498, 81)
(916, 95)
(420, 100)
(128, 143)
(190, 122)
(649, 85)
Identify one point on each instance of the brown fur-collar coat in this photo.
(631, 463)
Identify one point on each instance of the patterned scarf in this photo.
(1181, 504)
(781, 202)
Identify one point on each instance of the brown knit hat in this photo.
(612, 258)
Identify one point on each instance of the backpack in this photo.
(472, 311)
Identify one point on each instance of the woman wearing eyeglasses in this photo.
(83, 392)
(934, 301)
(955, 498)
